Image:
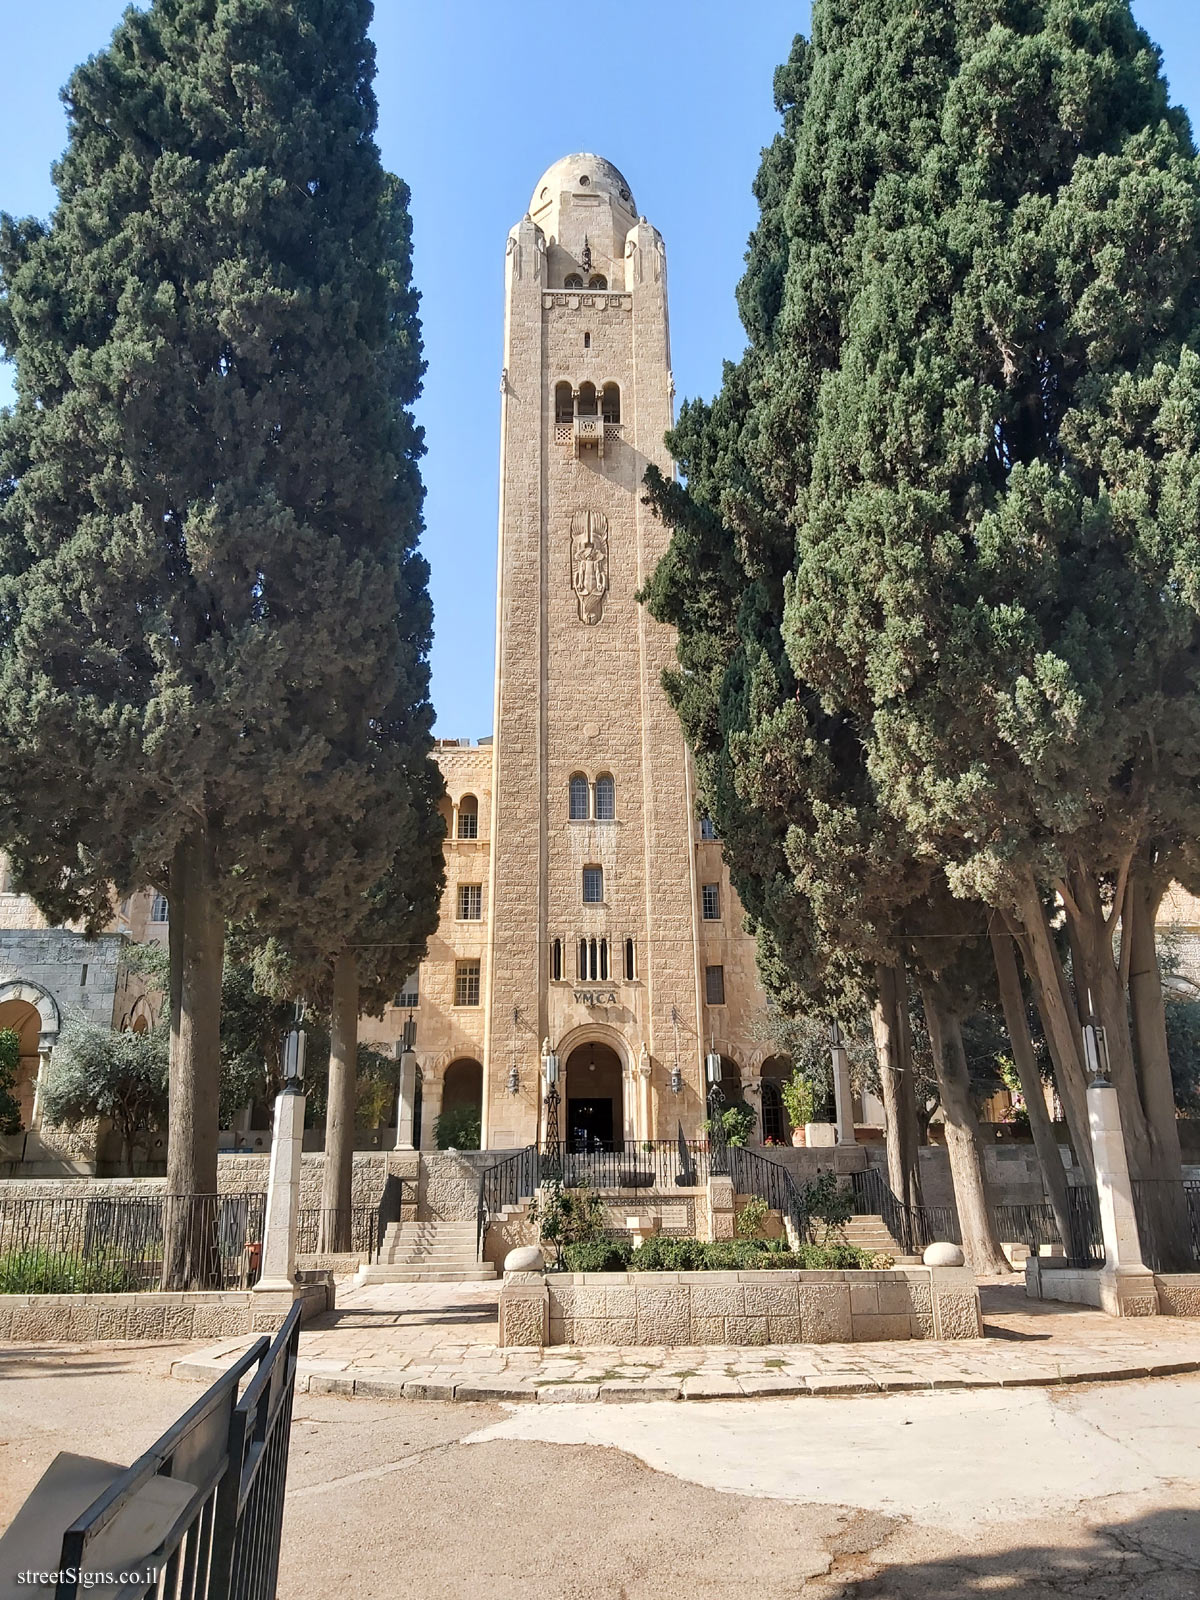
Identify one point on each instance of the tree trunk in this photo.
(897, 1087)
(979, 1242)
(1163, 1221)
(197, 941)
(1059, 1020)
(1046, 1145)
(337, 1178)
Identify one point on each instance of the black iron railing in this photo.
(228, 1458)
(756, 1174)
(363, 1230)
(652, 1164)
(1168, 1221)
(127, 1243)
(506, 1183)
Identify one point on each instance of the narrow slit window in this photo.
(630, 961)
(603, 973)
(714, 985)
(556, 954)
(583, 961)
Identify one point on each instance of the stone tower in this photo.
(596, 938)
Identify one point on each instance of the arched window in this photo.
(564, 402)
(468, 817)
(606, 799)
(611, 403)
(773, 1126)
(556, 961)
(577, 803)
(583, 958)
(603, 973)
(630, 961)
(572, 281)
(587, 399)
(597, 281)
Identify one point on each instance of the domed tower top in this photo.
(585, 208)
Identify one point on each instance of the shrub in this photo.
(825, 1199)
(663, 1253)
(751, 1217)
(798, 1099)
(597, 1255)
(458, 1129)
(569, 1216)
(45, 1272)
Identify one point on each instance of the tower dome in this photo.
(582, 174)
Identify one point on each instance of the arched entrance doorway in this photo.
(459, 1121)
(595, 1098)
(775, 1073)
(32, 1014)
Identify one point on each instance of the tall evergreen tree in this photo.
(944, 510)
(214, 619)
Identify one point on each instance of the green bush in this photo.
(44, 1272)
(597, 1255)
(569, 1217)
(750, 1218)
(664, 1254)
(828, 1201)
(458, 1129)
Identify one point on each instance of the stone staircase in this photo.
(427, 1252)
(872, 1233)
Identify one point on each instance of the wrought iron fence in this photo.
(363, 1230)
(126, 1243)
(1168, 1221)
(752, 1173)
(506, 1183)
(227, 1461)
(652, 1164)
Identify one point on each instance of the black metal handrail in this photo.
(309, 1229)
(506, 1183)
(653, 1164)
(231, 1454)
(1168, 1222)
(756, 1174)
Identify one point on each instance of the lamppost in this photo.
(281, 1223)
(552, 1163)
(406, 1099)
(842, 1096)
(718, 1148)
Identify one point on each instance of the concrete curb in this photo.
(380, 1385)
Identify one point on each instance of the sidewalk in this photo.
(437, 1342)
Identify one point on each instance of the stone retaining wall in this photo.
(738, 1308)
(81, 1318)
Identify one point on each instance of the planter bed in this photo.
(202, 1314)
(738, 1308)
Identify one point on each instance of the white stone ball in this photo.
(943, 1255)
(525, 1258)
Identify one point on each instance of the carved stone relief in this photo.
(589, 563)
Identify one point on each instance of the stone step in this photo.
(484, 1273)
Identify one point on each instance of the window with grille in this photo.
(593, 961)
(158, 908)
(577, 799)
(711, 901)
(606, 799)
(630, 961)
(468, 817)
(708, 828)
(572, 281)
(409, 996)
(593, 886)
(466, 983)
(470, 902)
(714, 985)
(556, 961)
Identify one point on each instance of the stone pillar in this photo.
(1126, 1283)
(842, 1094)
(283, 1194)
(721, 1208)
(406, 1101)
(431, 1109)
(645, 1131)
(39, 1085)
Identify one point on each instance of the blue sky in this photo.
(477, 99)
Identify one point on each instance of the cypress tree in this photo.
(947, 502)
(214, 619)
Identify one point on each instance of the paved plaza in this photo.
(438, 1342)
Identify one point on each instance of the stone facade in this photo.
(82, 1318)
(738, 1308)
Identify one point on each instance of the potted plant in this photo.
(798, 1103)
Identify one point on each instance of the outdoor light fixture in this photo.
(549, 1067)
(712, 1066)
(1095, 1050)
(835, 1033)
(514, 1080)
(294, 1043)
(676, 1081)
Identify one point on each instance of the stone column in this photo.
(407, 1101)
(431, 1109)
(1126, 1283)
(39, 1085)
(283, 1194)
(643, 1088)
(842, 1095)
